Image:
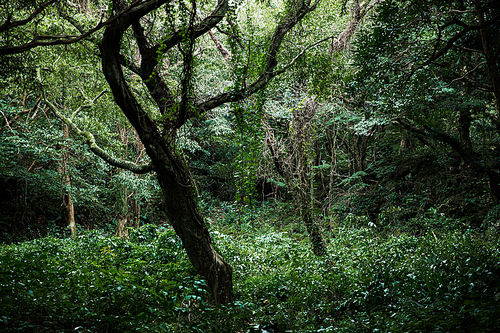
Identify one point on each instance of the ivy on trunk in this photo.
(159, 137)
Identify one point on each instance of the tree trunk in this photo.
(489, 52)
(317, 241)
(298, 175)
(123, 216)
(136, 204)
(67, 200)
(174, 178)
(136, 212)
(178, 196)
(359, 152)
(184, 216)
(122, 212)
(464, 120)
(303, 147)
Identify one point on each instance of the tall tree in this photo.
(67, 198)
(295, 167)
(175, 102)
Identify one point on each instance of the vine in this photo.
(249, 137)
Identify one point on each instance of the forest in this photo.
(250, 166)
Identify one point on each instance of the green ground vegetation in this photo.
(441, 281)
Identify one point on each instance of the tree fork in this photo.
(173, 175)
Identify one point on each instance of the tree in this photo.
(175, 102)
(67, 200)
(295, 167)
(432, 68)
(297, 157)
(173, 175)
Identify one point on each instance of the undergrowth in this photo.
(372, 281)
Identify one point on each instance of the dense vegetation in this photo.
(249, 166)
(445, 282)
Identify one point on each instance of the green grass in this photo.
(439, 282)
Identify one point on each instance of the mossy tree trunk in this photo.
(294, 166)
(122, 215)
(159, 137)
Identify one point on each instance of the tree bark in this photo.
(122, 215)
(358, 12)
(298, 175)
(464, 121)
(359, 146)
(317, 240)
(67, 200)
(173, 175)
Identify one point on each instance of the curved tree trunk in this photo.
(160, 143)
(176, 184)
(183, 213)
(173, 176)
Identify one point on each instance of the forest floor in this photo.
(371, 281)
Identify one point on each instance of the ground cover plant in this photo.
(441, 281)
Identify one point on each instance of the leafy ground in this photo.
(441, 281)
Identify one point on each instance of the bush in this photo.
(445, 282)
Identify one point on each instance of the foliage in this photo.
(98, 283)
(411, 229)
(369, 282)
(31, 154)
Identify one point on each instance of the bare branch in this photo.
(8, 123)
(222, 50)
(86, 106)
(467, 73)
(455, 11)
(298, 56)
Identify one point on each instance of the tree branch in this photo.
(198, 30)
(136, 8)
(450, 43)
(90, 139)
(359, 12)
(297, 57)
(301, 8)
(86, 106)
(24, 111)
(7, 25)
